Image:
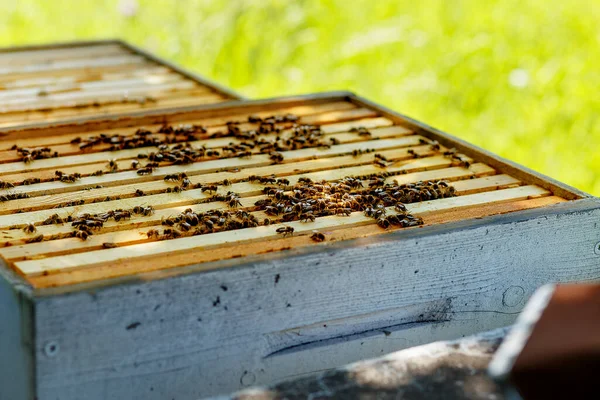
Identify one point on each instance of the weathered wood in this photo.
(55, 136)
(161, 265)
(33, 81)
(17, 380)
(399, 270)
(82, 260)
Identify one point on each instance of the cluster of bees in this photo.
(85, 224)
(304, 201)
(67, 178)
(308, 200)
(290, 136)
(141, 138)
(13, 196)
(189, 223)
(231, 198)
(28, 155)
(361, 131)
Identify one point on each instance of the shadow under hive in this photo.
(57, 82)
(164, 308)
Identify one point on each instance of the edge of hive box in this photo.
(506, 166)
(60, 45)
(483, 269)
(559, 210)
(17, 346)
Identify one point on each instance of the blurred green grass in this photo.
(517, 77)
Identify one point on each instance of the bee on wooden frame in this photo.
(317, 236)
(145, 171)
(81, 234)
(29, 228)
(285, 230)
(112, 166)
(152, 233)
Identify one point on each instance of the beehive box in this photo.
(181, 288)
(56, 82)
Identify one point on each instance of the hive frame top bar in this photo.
(133, 48)
(170, 115)
(81, 81)
(584, 201)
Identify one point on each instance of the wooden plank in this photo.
(148, 250)
(181, 99)
(82, 77)
(62, 100)
(133, 266)
(50, 139)
(195, 195)
(142, 226)
(54, 54)
(197, 174)
(475, 185)
(91, 87)
(167, 204)
(72, 64)
(290, 170)
(90, 162)
(93, 157)
(87, 73)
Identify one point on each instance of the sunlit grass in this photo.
(519, 78)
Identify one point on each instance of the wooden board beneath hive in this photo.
(55, 82)
(212, 313)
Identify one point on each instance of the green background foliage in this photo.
(517, 77)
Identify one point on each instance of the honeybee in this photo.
(317, 236)
(29, 228)
(31, 181)
(112, 165)
(209, 188)
(170, 233)
(53, 219)
(81, 234)
(145, 171)
(152, 233)
(109, 245)
(285, 230)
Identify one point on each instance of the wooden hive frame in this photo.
(200, 315)
(48, 83)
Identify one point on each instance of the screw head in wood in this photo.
(51, 349)
(248, 378)
(597, 249)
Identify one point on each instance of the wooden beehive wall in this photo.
(48, 255)
(101, 78)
